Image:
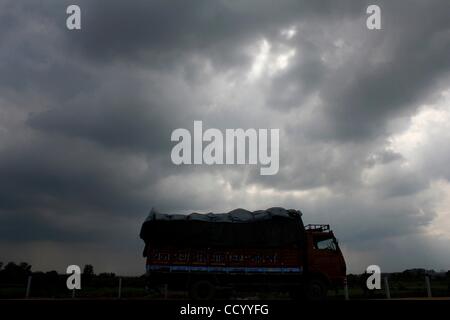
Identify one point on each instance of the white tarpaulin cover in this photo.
(236, 215)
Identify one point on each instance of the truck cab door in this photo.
(325, 256)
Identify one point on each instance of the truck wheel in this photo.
(316, 289)
(202, 290)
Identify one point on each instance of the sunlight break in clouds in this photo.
(268, 62)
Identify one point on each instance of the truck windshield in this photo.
(325, 244)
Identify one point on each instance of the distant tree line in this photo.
(50, 283)
(19, 271)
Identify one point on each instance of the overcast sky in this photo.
(86, 118)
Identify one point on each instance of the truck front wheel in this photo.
(202, 290)
(316, 289)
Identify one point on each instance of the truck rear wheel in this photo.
(316, 289)
(202, 290)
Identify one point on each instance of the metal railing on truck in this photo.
(317, 227)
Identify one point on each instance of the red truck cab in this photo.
(325, 260)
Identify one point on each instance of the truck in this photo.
(264, 250)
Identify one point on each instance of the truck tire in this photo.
(202, 290)
(316, 289)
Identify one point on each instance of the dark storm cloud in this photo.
(125, 121)
(388, 71)
(86, 116)
(167, 32)
(21, 227)
(32, 57)
(69, 177)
